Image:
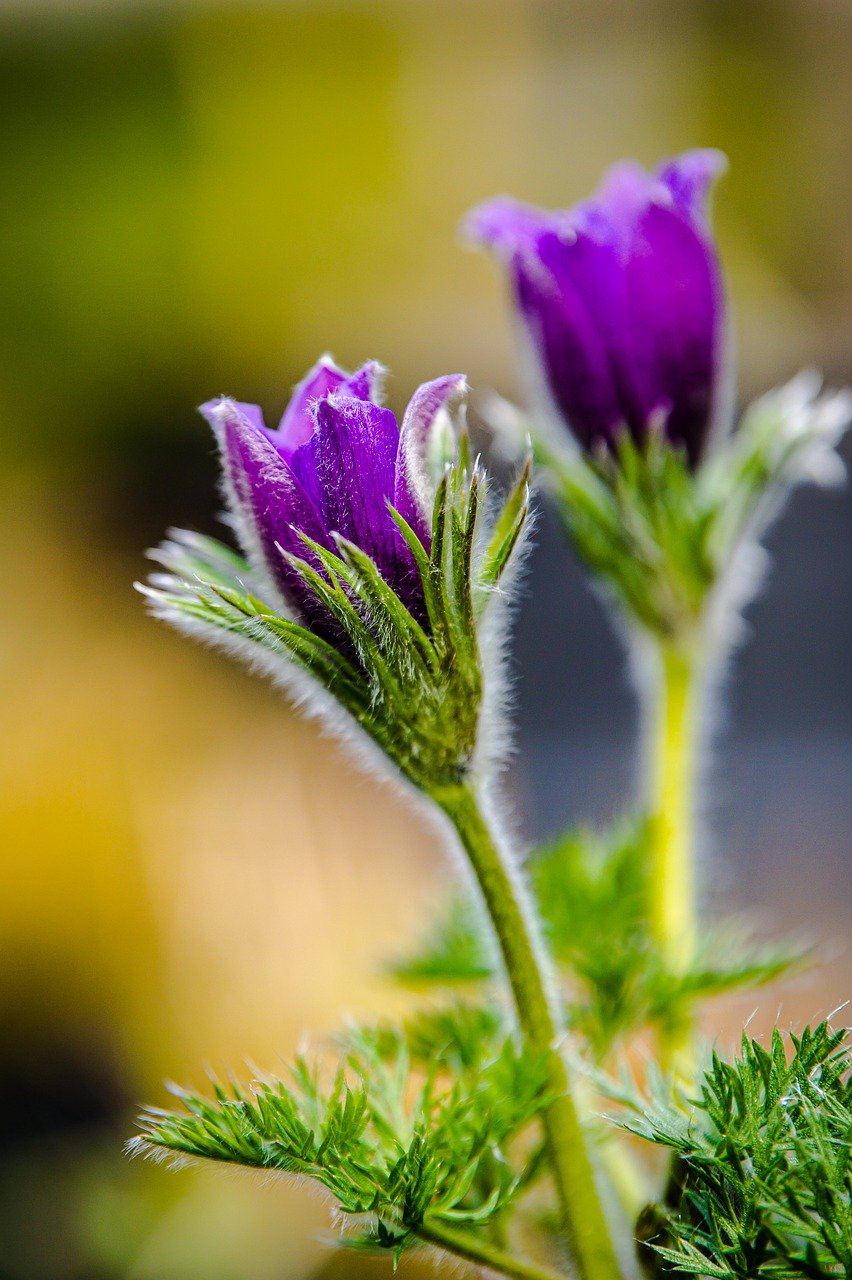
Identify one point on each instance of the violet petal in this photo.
(269, 506)
(414, 488)
(297, 423)
(623, 301)
(354, 457)
(689, 178)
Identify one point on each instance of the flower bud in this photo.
(621, 302)
(364, 567)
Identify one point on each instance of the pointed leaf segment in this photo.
(410, 1154)
(414, 685)
(763, 1182)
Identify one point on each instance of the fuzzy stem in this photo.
(478, 1251)
(541, 1024)
(672, 835)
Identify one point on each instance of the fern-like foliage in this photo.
(592, 896)
(400, 1147)
(451, 951)
(763, 1161)
(461, 1035)
(592, 892)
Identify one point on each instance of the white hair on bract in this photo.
(806, 426)
(265, 655)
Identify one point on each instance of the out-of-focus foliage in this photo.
(457, 1035)
(665, 540)
(591, 892)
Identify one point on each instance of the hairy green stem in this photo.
(541, 1024)
(478, 1251)
(674, 729)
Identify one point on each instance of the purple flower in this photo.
(332, 466)
(622, 300)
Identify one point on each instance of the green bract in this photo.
(416, 689)
(668, 540)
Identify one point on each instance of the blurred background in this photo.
(200, 198)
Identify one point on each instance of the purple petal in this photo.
(251, 413)
(634, 336)
(689, 178)
(510, 227)
(367, 383)
(624, 194)
(414, 489)
(622, 298)
(659, 303)
(297, 424)
(352, 454)
(561, 314)
(324, 379)
(543, 252)
(674, 320)
(269, 506)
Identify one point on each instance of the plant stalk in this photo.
(674, 731)
(541, 1024)
(478, 1251)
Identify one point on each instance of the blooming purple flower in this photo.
(332, 466)
(622, 300)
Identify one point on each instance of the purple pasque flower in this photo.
(332, 467)
(622, 300)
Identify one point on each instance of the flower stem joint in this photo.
(365, 568)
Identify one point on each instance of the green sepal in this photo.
(507, 528)
(663, 536)
(415, 685)
(639, 521)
